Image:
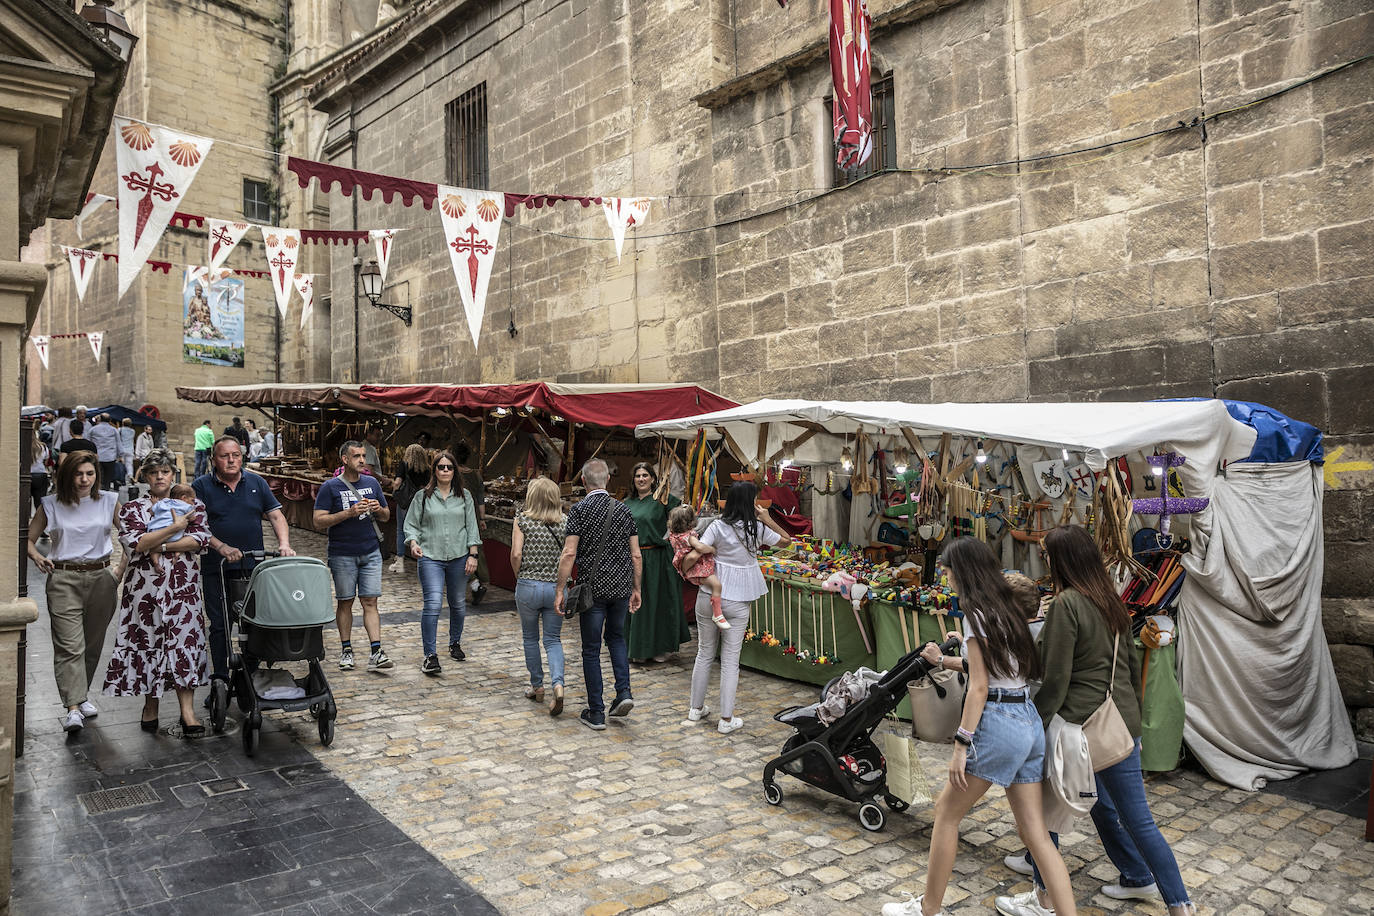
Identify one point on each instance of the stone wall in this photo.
(203, 66)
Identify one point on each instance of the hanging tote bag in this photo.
(905, 778)
(937, 700)
(1109, 740)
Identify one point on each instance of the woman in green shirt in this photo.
(660, 626)
(1087, 649)
(442, 535)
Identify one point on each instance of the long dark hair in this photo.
(739, 514)
(1076, 563)
(434, 473)
(987, 600)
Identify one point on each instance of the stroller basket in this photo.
(289, 592)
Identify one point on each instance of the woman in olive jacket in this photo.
(1082, 626)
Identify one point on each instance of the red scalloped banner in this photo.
(332, 237)
(535, 201)
(166, 267)
(370, 182)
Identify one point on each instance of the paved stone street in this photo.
(542, 815)
(658, 815)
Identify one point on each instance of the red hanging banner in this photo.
(849, 68)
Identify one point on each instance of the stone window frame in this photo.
(884, 157)
(467, 139)
(257, 207)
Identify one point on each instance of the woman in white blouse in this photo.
(737, 536)
(78, 518)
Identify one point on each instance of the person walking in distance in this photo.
(239, 432)
(349, 507)
(106, 439)
(205, 440)
(604, 541)
(126, 448)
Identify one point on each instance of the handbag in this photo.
(937, 700)
(1109, 740)
(579, 598)
(906, 779)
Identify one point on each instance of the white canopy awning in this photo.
(1201, 430)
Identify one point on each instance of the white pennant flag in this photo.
(622, 213)
(472, 223)
(83, 265)
(383, 239)
(223, 237)
(40, 343)
(156, 168)
(93, 203)
(283, 249)
(305, 285)
(96, 338)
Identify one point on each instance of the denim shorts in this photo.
(359, 576)
(1008, 745)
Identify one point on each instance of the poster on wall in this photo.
(212, 310)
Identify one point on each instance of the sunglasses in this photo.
(443, 467)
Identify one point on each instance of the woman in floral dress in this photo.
(161, 642)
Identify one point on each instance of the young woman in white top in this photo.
(1000, 740)
(736, 536)
(78, 517)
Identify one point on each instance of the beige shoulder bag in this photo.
(1109, 740)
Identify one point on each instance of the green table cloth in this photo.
(816, 621)
(889, 620)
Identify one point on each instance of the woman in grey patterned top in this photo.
(536, 542)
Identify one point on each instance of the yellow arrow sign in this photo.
(1333, 467)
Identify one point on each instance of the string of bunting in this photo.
(42, 342)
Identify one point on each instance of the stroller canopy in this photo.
(289, 592)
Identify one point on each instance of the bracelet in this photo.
(960, 739)
(965, 734)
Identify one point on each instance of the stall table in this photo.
(793, 599)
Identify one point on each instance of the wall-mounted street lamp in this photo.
(371, 278)
(112, 25)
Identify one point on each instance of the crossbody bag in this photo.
(375, 527)
(578, 597)
(1109, 740)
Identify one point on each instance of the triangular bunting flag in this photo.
(472, 222)
(40, 343)
(305, 285)
(93, 203)
(383, 238)
(283, 250)
(83, 265)
(223, 237)
(96, 338)
(156, 168)
(623, 212)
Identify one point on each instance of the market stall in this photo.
(901, 479)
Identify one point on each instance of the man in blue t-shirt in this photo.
(236, 501)
(348, 507)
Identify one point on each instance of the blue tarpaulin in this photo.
(118, 414)
(1278, 438)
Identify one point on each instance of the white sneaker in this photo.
(726, 726)
(1027, 904)
(398, 566)
(696, 715)
(1122, 892)
(1017, 863)
(74, 721)
(911, 906)
(87, 709)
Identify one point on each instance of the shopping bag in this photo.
(937, 705)
(905, 778)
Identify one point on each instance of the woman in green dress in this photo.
(660, 626)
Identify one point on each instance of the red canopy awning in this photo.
(624, 406)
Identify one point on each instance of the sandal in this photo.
(535, 693)
(556, 707)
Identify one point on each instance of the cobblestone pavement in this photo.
(657, 815)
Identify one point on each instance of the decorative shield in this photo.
(1083, 480)
(1051, 477)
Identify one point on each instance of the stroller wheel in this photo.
(219, 703)
(326, 726)
(250, 738)
(871, 817)
(772, 793)
(895, 803)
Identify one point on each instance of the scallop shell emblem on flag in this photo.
(472, 225)
(156, 167)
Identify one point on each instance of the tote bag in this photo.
(1109, 740)
(937, 700)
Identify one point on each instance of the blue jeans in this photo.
(434, 576)
(534, 601)
(1129, 834)
(202, 461)
(400, 532)
(605, 619)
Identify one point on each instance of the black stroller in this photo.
(280, 612)
(841, 757)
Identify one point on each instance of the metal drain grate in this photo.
(118, 799)
(213, 787)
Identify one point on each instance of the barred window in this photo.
(465, 130)
(884, 134)
(257, 206)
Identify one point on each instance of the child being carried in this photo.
(694, 559)
(181, 500)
